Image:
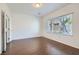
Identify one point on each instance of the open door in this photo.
(2, 29)
(5, 25)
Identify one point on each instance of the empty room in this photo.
(39, 28)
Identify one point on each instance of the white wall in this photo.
(69, 40)
(5, 9)
(24, 26)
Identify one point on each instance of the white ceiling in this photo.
(27, 8)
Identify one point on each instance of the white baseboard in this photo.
(62, 42)
(25, 38)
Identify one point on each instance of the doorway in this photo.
(5, 25)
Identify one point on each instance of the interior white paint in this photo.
(5, 9)
(27, 8)
(69, 40)
(24, 26)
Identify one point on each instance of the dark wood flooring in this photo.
(39, 46)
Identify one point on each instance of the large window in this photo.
(61, 24)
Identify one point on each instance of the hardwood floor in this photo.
(39, 46)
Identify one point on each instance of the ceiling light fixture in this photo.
(37, 5)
